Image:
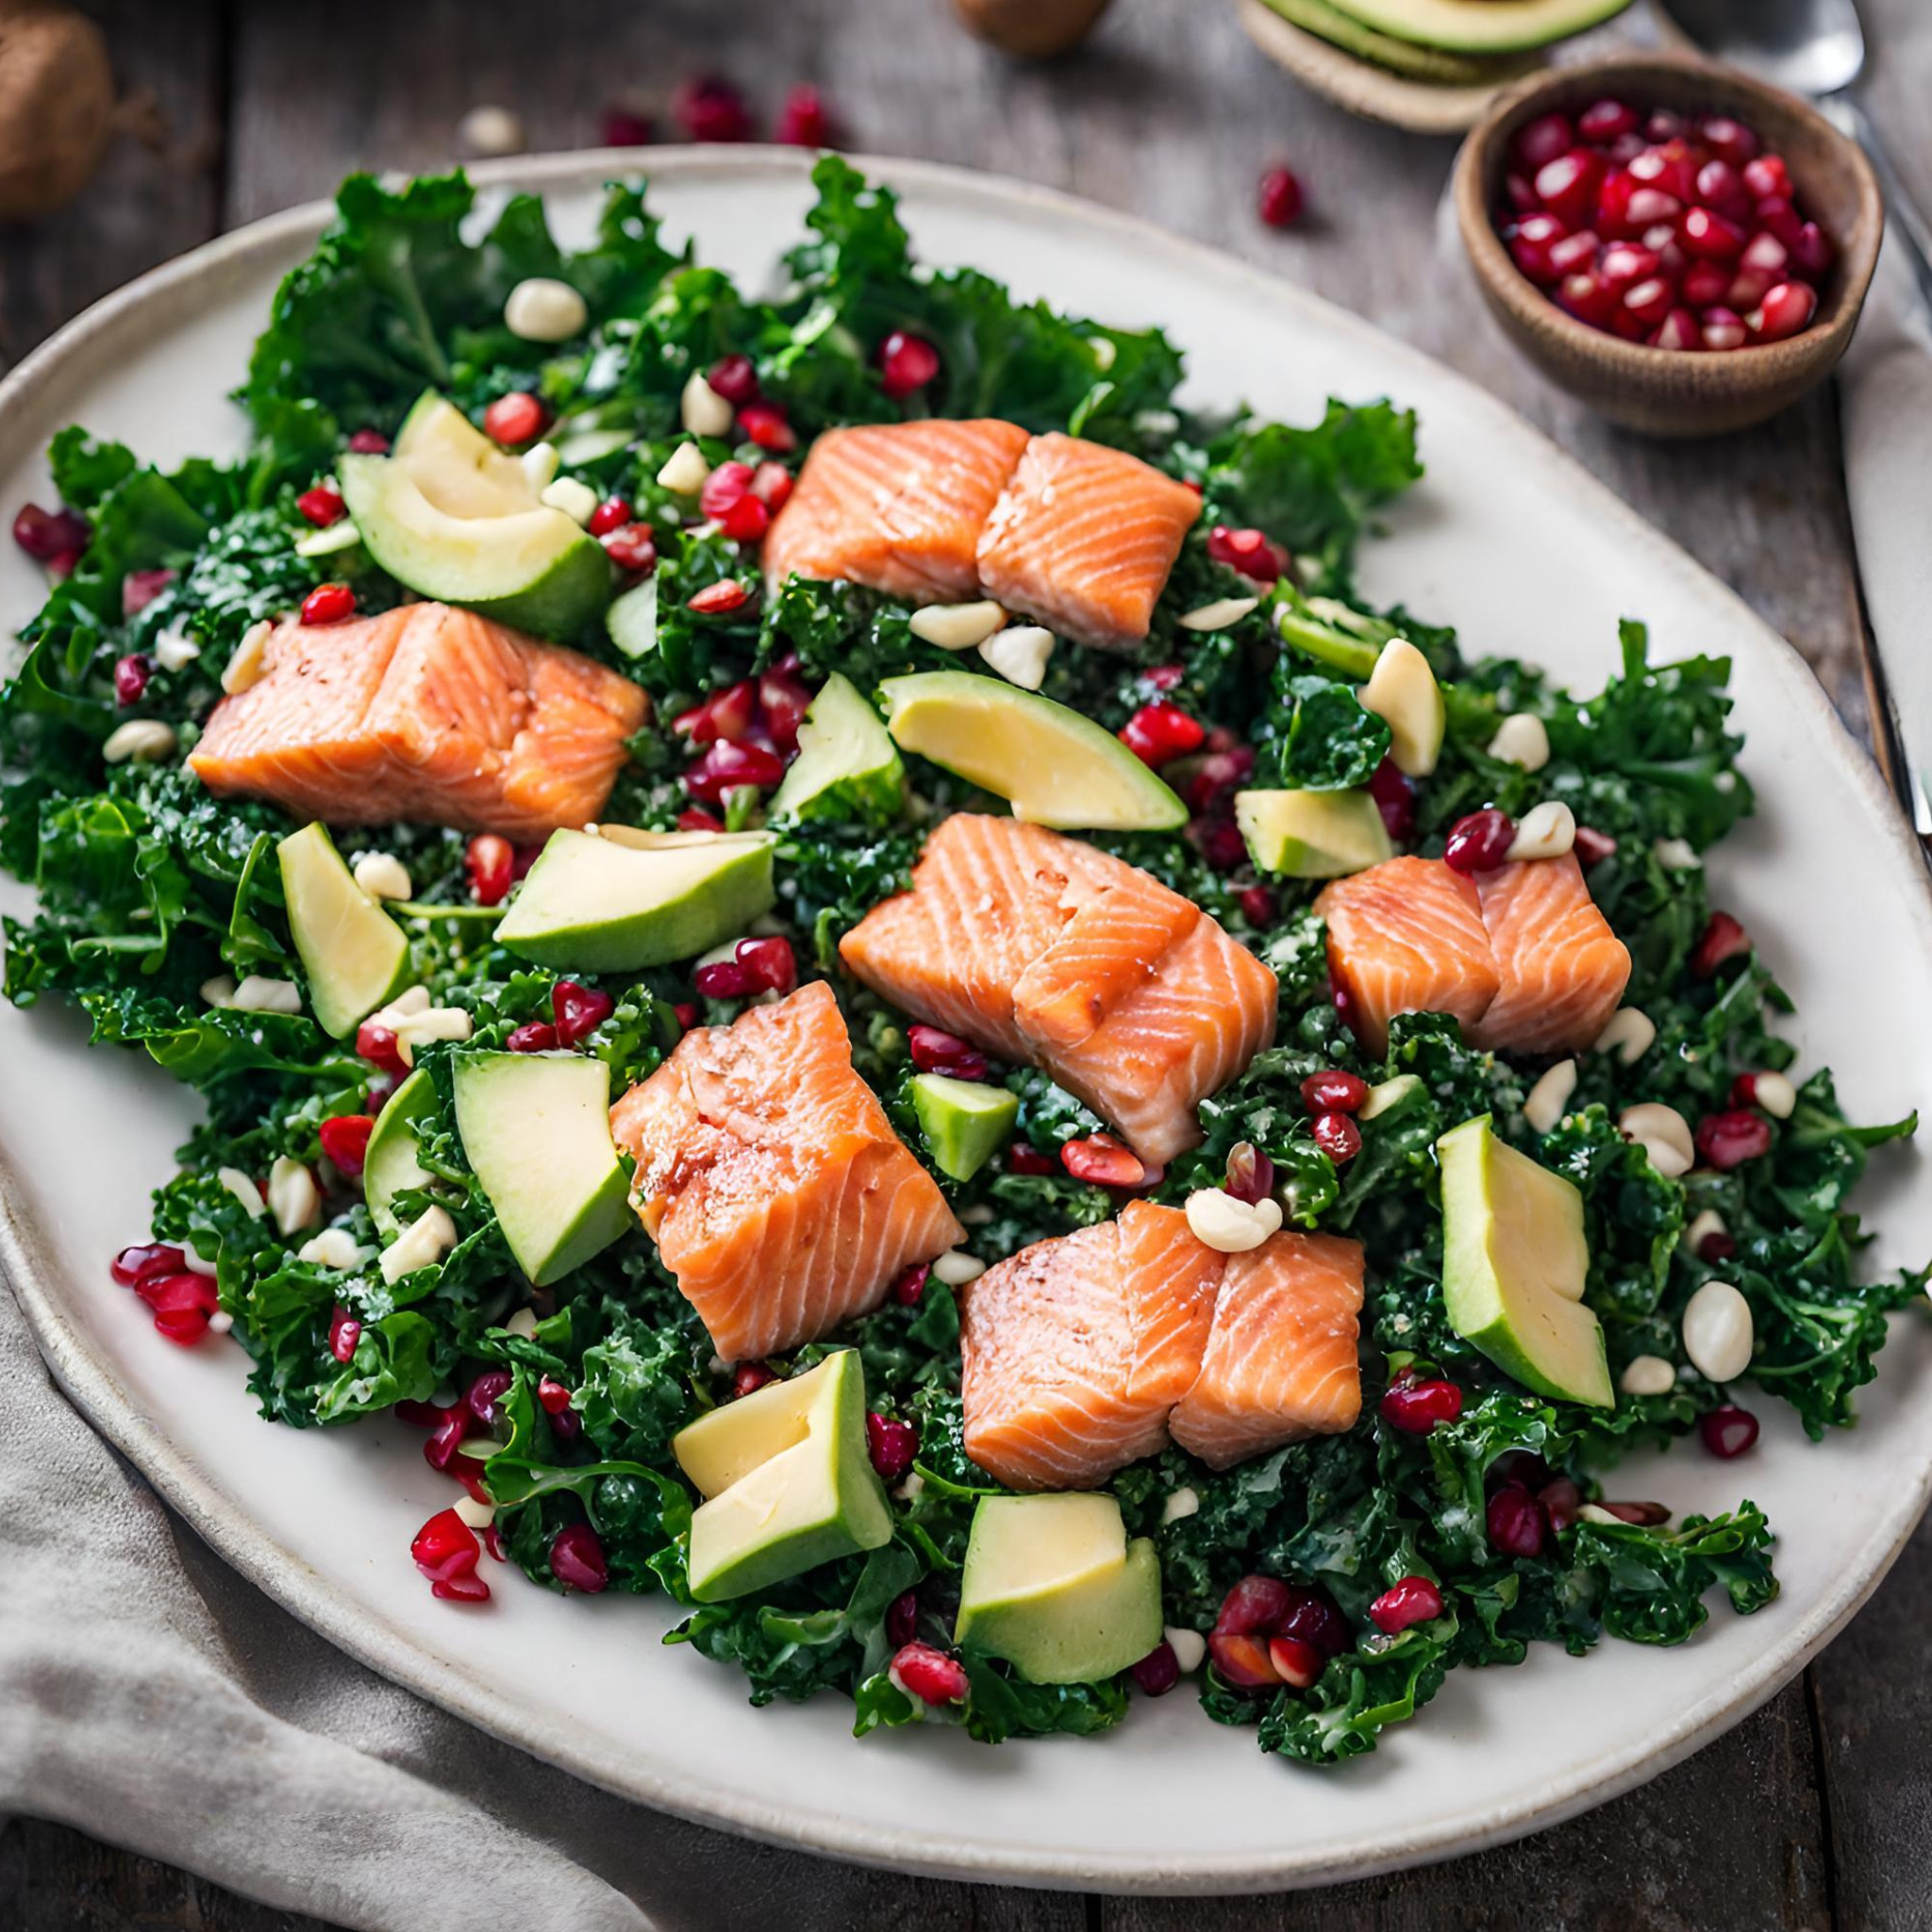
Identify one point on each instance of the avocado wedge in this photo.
(1326, 20)
(1312, 835)
(353, 953)
(1481, 27)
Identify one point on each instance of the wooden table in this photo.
(1816, 1812)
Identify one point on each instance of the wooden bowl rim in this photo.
(1763, 368)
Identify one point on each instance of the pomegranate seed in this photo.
(695, 818)
(1749, 287)
(906, 364)
(1102, 1159)
(1530, 243)
(1159, 1672)
(1706, 284)
(1647, 1515)
(1766, 254)
(1021, 1158)
(419, 1415)
(1814, 251)
(721, 979)
(461, 1589)
(1278, 198)
(1159, 732)
(1568, 185)
(328, 604)
(611, 514)
(749, 1377)
(534, 1036)
(139, 588)
(1414, 1600)
(901, 1618)
(147, 1262)
(1604, 121)
(1727, 1139)
(1649, 209)
(1311, 1616)
(1479, 842)
(46, 535)
(764, 423)
(1243, 1661)
(1218, 774)
(1765, 175)
(578, 1560)
(1520, 193)
(344, 1332)
(747, 520)
(769, 965)
(784, 699)
(929, 1675)
(774, 483)
(1338, 1137)
(1416, 1407)
(321, 506)
(1561, 1500)
(481, 1397)
(1257, 904)
(1708, 233)
(1680, 330)
(1624, 262)
(1592, 847)
(725, 488)
(1589, 298)
(708, 108)
(368, 442)
(1296, 1663)
(1728, 1430)
(451, 1430)
(631, 547)
(445, 1547)
(1247, 551)
(1731, 141)
(1648, 303)
(735, 379)
(1715, 1248)
(720, 599)
(1776, 214)
(620, 125)
(893, 1446)
(488, 859)
(1724, 938)
(688, 1016)
(1255, 1603)
(1572, 253)
(131, 675)
(908, 1287)
(728, 714)
(1787, 308)
(1219, 840)
(1250, 1174)
(1540, 141)
(1724, 331)
(1394, 794)
(1334, 1092)
(1516, 1523)
(515, 419)
(553, 1396)
(934, 1052)
(727, 764)
(181, 1304)
(345, 1141)
(579, 1010)
(378, 1045)
(1720, 187)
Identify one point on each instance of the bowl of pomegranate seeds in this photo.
(1681, 247)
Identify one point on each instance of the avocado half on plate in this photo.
(1451, 43)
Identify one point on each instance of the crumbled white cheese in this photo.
(1181, 1504)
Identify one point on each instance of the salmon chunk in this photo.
(1280, 1362)
(1074, 1350)
(426, 713)
(1408, 937)
(1562, 970)
(897, 506)
(768, 1176)
(1040, 949)
(1084, 537)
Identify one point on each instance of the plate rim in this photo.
(91, 1381)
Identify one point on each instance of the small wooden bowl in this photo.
(1675, 393)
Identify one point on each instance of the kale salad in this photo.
(1462, 1517)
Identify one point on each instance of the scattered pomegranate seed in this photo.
(1517, 1525)
(378, 1045)
(906, 364)
(1414, 1600)
(47, 534)
(488, 861)
(632, 548)
(534, 1036)
(578, 1560)
(131, 675)
(451, 1430)
(579, 1010)
(735, 379)
(929, 1675)
(1022, 1158)
(893, 1446)
(621, 126)
(1278, 198)
(934, 1052)
(368, 442)
(804, 120)
(611, 514)
(1249, 1174)
(321, 506)
(728, 714)
(1159, 732)
(1219, 840)
(1242, 1660)
(1311, 1616)
(1334, 1092)
(710, 108)
(769, 965)
(1715, 1248)
(1159, 1672)
(1787, 308)
(1766, 177)
(747, 520)
(328, 604)
(1394, 794)
(1102, 1159)
(696, 819)
(1540, 141)
(1255, 1604)
(1257, 904)
(1416, 1407)
(182, 1305)
(773, 482)
(1727, 1139)
(725, 488)
(1646, 1515)
(515, 419)
(764, 423)
(446, 1550)
(1297, 1663)
(1338, 1137)
(1216, 776)
(345, 1141)
(750, 1376)
(553, 1398)
(1479, 842)
(1251, 552)
(1727, 1431)
(783, 699)
(908, 1287)
(1561, 1500)
(1605, 120)
(484, 1393)
(1722, 939)
(148, 1261)
(1592, 847)
(419, 1415)
(687, 1015)
(901, 1618)
(344, 1332)
(139, 588)
(721, 979)
(720, 599)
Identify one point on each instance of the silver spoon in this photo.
(1813, 47)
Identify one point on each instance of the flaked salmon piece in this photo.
(1074, 1350)
(771, 1179)
(1084, 537)
(1562, 970)
(1408, 937)
(427, 713)
(1040, 949)
(1280, 1362)
(897, 507)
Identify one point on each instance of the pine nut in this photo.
(1717, 1334)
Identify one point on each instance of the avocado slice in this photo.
(786, 1479)
(1391, 1097)
(454, 518)
(965, 1122)
(1052, 1584)
(1481, 27)
(536, 1127)
(354, 954)
(1514, 1263)
(616, 900)
(1312, 835)
(390, 1163)
(1326, 20)
(1052, 765)
(847, 765)
(632, 620)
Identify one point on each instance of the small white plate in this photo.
(1507, 539)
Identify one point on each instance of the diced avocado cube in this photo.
(1312, 835)
(617, 900)
(786, 1479)
(847, 765)
(536, 1127)
(1514, 1265)
(1392, 1097)
(1052, 1584)
(965, 1122)
(390, 1163)
(353, 953)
